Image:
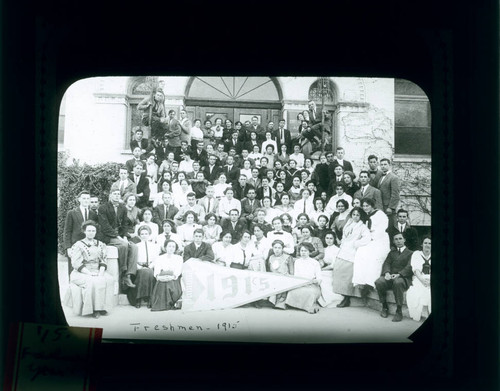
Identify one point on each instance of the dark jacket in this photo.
(73, 226)
(399, 263)
(111, 224)
(204, 252)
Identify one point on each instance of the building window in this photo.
(412, 115)
(315, 92)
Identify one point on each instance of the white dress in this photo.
(369, 259)
(418, 295)
(223, 254)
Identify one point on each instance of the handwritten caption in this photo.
(176, 328)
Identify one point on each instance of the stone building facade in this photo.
(386, 117)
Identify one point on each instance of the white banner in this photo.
(208, 286)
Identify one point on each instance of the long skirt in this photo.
(97, 292)
(304, 298)
(165, 295)
(417, 297)
(144, 284)
(342, 277)
(368, 262)
(328, 296)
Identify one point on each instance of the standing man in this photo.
(339, 161)
(141, 184)
(124, 184)
(113, 232)
(396, 275)
(186, 126)
(367, 191)
(389, 185)
(375, 173)
(142, 143)
(283, 137)
(402, 225)
(258, 128)
(73, 223)
(173, 132)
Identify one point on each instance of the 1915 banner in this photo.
(208, 286)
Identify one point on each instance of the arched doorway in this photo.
(236, 98)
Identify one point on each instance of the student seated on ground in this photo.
(306, 297)
(419, 293)
(396, 275)
(167, 291)
(88, 258)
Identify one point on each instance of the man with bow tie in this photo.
(278, 233)
(389, 186)
(73, 223)
(396, 275)
(374, 171)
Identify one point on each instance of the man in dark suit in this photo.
(232, 142)
(212, 171)
(374, 171)
(113, 232)
(402, 225)
(232, 172)
(339, 161)
(198, 250)
(367, 191)
(241, 187)
(283, 136)
(142, 143)
(396, 275)
(235, 225)
(258, 128)
(73, 223)
(162, 149)
(173, 132)
(165, 211)
(389, 186)
(129, 164)
(124, 184)
(244, 156)
(141, 184)
(200, 154)
(94, 204)
(249, 206)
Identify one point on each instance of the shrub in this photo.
(73, 178)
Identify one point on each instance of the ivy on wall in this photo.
(74, 177)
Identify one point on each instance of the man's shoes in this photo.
(148, 302)
(127, 281)
(346, 302)
(398, 317)
(138, 303)
(178, 304)
(96, 314)
(384, 313)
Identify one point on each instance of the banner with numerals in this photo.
(208, 286)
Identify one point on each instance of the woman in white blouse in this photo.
(147, 219)
(196, 134)
(247, 169)
(220, 186)
(223, 250)
(186, 230)
(169, 233)
(167, 270)
(271, 212)
(180, 197)
(419, 293)
(269, 141)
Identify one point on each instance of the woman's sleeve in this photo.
(416, 262)
(365, 237)
(77, 257)
(178, 262)
(317, 272)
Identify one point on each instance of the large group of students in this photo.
(246, 197)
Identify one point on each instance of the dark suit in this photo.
(373, 193)
(249, 145)
(240, 192)
(113, 225)
(162, 151)
(159, 214)
(375, 177)
(214, 175)
(173, 133)
(247, 209)
(73, 229)
(410, 234)
(231, 174)
(201, 157)
(129, 188)
(240, 162)
(347, 166)
(237, 231)
(204, 252)
(288, 140)
(389, 188)
(260, 130)
(232, 143)
(142, 187)
(260, 193)
(144, 144)
(395, 263)
(129, 164)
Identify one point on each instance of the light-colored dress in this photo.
(305, 297)
(370, 258)
(418, 295)
(219, 189)
(186, 232)
(282, 265)
(97, 291)
(166, 294)
(223, 253)
(211, 234)
(160, 240)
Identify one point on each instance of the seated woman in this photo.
(419, 294)
(147, 253)
(220, 186)
(369, 259)
(256, 155)
(186, 230)
(356, 235)
(302, 221)
(271, 213)
(167, 270)
(307, 237)
(133, 214)
(247, 169)
(166, 164)
(340, 195)
(269, 141)
(340, 219)
(322, 228)
(331, 251)
(147, 219)
(350, 186)
(306, 297)
(260, 242)
(151, 170)
(287, 222)
(223, 250)
(243, 253)
(319, 210)
(283, 156)
(180, 197)
(282, 263)
(260, 220)
(285, 206)
(211, 230)
(279, 193)
(356, 203)
(169, 233)
(165, 189)
(305, 177)
(88, 258)
(199, 185)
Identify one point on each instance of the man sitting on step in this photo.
(396, 275)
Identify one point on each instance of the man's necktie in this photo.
(86, 214)
(362, 192)
(304, 206)
(122, 188)
(165, 210)
(208, 208)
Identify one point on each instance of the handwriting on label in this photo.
(171, 328)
